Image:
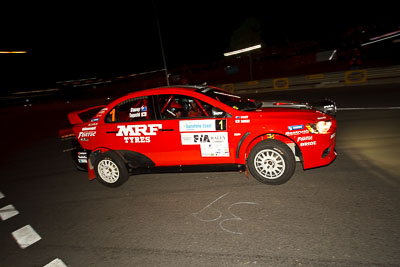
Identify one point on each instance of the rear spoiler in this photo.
(74, 117)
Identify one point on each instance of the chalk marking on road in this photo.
(8, 212)
(208, 206)
(234, 217)
(376, 108)
(1, 195)
(220, 224)
(26, 236)
(56, 263)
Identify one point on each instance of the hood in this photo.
(326, 106)
(290, 113)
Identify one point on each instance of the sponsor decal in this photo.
(89, 129)
(199, 138)
(304, 138)
(95, 119)
(82, 157)
(102, 111)
(242, 119)
(87, 134)
(212, 144)
(197, 125)
(270, 136)
(333, 135)
(237, 134)
(297, 132)
(214, 150)
(138, 133)
(309, 128)
(312, 143)
(134, 140)
(296, 127)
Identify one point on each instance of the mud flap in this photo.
(92, 174)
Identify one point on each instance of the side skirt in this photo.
(191, 168)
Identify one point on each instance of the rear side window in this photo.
(86, 116)
(134, 109)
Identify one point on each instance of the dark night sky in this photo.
(73, 41)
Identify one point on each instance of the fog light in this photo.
(326, 152)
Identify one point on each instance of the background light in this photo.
(242, 50)
(12, 52)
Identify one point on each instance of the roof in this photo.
(179, 87)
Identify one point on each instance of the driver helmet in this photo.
(175, 107)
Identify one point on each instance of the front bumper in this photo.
(320, 154)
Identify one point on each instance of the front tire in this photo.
(110, 169)
(271, 162)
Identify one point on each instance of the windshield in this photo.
(231, 100)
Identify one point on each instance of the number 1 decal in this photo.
(112, 112)
(220, 125)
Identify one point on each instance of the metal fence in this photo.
(370, 76)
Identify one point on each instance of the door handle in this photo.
(109, 132)
(165, 130)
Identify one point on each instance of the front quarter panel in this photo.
(314, 149)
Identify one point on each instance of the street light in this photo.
(243, 50)
(12, 52)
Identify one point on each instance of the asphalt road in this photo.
(344, 214)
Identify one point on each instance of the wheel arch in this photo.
(133, 160)
(276, 136)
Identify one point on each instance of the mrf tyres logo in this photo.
(138, 133)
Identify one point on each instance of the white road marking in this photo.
(26, 236)
(56, 263)
(8, 212)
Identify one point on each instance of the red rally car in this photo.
(189, 128)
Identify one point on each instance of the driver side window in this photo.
(135, 109)
(180, 106)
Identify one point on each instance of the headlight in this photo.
(321, 127)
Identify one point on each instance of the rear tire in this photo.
(271, 162)
(110, 169)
